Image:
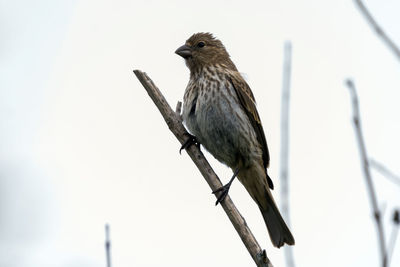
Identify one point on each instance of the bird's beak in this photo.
(184, 51)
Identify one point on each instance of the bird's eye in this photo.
(201, 44)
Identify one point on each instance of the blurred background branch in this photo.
(382, 169)
(108, 245)
(367, 172)
(393, 236)
(378, 29)
(284, 162)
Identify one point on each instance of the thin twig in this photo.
(284, 168)
(378, 29)
(174, 123)
(178, 108)
(393, 236)
(108, 246)
(384, 171)
(367, 173)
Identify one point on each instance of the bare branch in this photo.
(108, 246)
(393, 236)
(367, 173)
(284, 168)
(378, 29)
(385, 171)
(178, 108)
(175, 125)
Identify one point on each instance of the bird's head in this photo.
(202, 50)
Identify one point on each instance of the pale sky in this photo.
(81, 143)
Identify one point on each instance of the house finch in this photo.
(219, 109)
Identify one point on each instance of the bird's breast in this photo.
(213, 113)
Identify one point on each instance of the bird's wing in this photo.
(248, 102)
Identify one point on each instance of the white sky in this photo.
(81, 143)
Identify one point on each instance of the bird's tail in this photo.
(277, 228)
(255, 181)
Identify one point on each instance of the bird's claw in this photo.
(192, 140)
(225, 188)
(224, 192)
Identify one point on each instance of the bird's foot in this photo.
(224, 192)
(225, 188)
(192, 140)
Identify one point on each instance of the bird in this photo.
(219, 111)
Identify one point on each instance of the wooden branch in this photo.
(174, 123)
(378, 29)
(284, 164)
(367, 172)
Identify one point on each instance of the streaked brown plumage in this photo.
(219, 109)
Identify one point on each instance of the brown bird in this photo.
(219, 109)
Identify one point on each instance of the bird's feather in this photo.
(248, 102)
